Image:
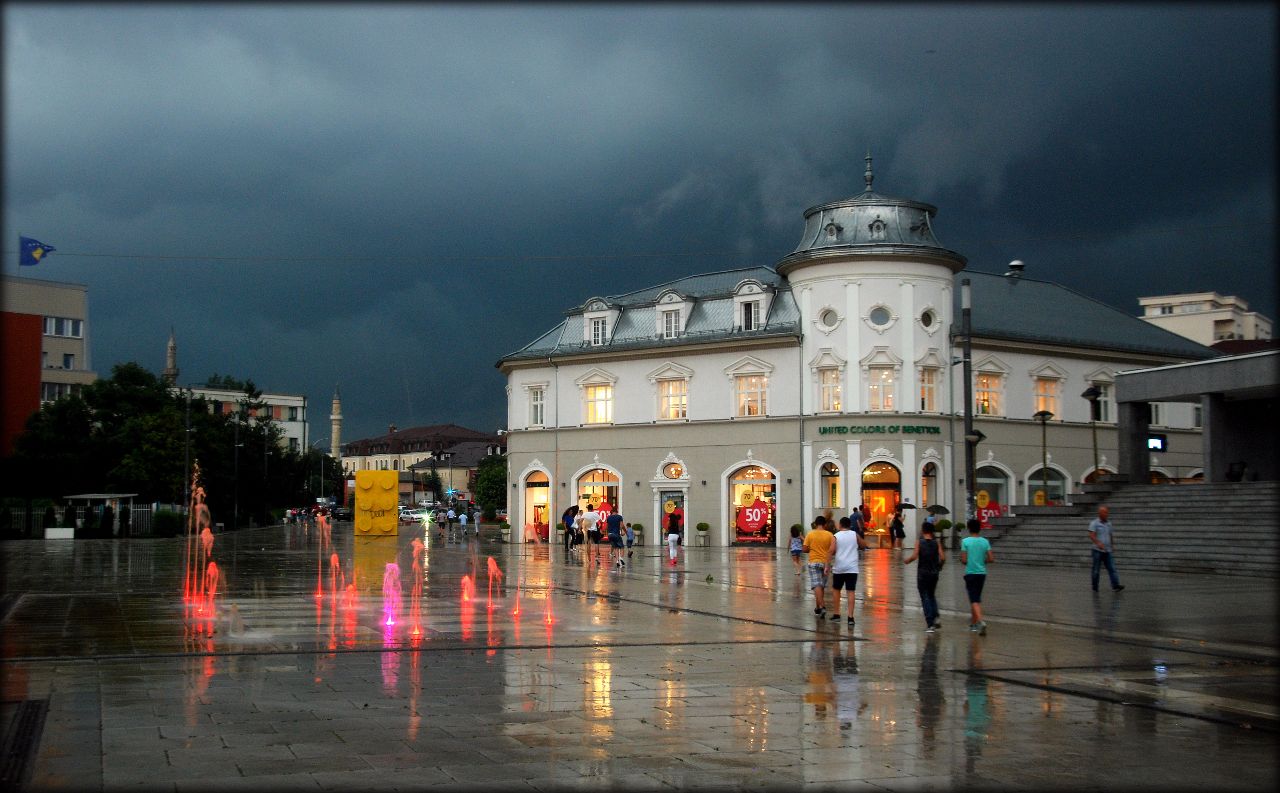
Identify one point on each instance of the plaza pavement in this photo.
(713, 674)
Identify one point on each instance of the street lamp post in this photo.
(1093, 393)
(1043, 417)
(970, 434)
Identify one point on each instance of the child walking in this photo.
(797, 549)
(975, 554)
(929, 552)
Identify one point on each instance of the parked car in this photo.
(501, 516)
(343, 513)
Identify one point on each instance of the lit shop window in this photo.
(751, 392)
(1047, 390)
(987, 394)
(880, 388)
(599, 404)
(673, 399)
(829, 382)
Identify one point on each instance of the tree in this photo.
(491, 483)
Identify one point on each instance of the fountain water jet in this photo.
(494, 571)
(391, 593)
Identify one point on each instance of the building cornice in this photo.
(607, 356)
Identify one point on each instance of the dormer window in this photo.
(751, 315)
(671, 323)
(599, 330)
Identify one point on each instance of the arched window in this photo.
(1046, 487)
(928, 485)
(991, 493)
(598, 488)
(830, 485)
(752, 503)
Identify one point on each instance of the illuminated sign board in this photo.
(1157, 443)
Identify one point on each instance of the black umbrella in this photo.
(937, 509)
(905, 505)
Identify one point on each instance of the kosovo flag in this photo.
(30, 251)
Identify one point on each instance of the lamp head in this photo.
(1042, 415)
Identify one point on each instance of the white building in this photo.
(752, 399)
(1205, 317)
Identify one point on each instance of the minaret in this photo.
(335, 428)
(171, 361)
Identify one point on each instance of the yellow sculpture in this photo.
(377, 496)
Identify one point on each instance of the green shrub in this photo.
(942, 525)
(166, 523)
(704, 527)
(637, 527)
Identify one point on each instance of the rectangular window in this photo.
(537, 406)
(880, 388)
(987, 394)
(929, 390)
(829, 381)
(598, 331)
(1104, 401)
(1047, 389)
(751, 390)
(293, 414)
(48, 326)
(599, 404)
(293, 444)
(77, 328)
(751, 315)
(1166, 309)
(1197, 417)
(68, 361)
(673, 399)
(61, 326)
(670, 324)
(1157, 413)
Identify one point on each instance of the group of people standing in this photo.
(584, 527)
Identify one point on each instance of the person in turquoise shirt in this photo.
(975, 555)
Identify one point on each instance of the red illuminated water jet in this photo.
(494, 572)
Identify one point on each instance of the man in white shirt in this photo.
(591, 525)
(844, 568)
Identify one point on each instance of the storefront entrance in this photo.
(537, 492)
(670, 502)
(598, 489)
(753, 505)
(881, 492)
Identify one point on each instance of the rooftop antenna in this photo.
(868, 175)
(1015, 269)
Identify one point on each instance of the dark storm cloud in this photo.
(417, 153)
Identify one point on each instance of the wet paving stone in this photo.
(640, 679)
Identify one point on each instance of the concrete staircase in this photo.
(1229, 528)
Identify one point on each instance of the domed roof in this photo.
(870, 224)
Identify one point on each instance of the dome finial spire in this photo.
(868, 175)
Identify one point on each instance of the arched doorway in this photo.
(881, 492)
(1046, 487)
(1095, 475)
(537, 503)
(991, 494)
(598, 487)
(753, 495)
(928, 485)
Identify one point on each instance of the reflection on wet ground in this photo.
(412, 661)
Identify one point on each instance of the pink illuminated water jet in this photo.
(415, 602)
(494, 571)
(391, 593)
(468, 589)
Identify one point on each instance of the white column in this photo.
(853, 350)
(806, 509)
(806, 376)
(853, 488)
(910, 491)
(909, 402)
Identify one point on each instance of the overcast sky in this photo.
(387, 199)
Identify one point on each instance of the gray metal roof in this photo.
(1024, 309)
(710, 319)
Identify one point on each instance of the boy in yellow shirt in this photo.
(820, 544)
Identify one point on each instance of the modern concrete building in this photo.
(46, 348)
(752, 399)
(1205, 317)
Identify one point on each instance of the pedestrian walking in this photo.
(631, 538)
(897, 531)
(475, 520)
(1104, 543)
(975, 554)
(613, 527)
(462, 523)
(591, 525)
(797, 549)
(819, 544)
(451, 516)
(931, 555)
(844, 568)
(569, 521)
(673, 535)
